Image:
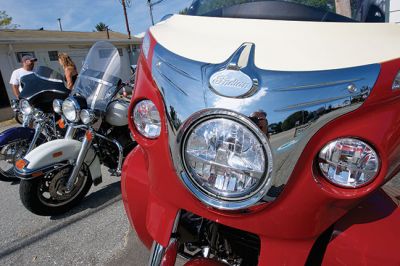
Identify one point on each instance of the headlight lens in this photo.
(14, 104)
(227, 161)
(87, 116)
(25, 107)
(349, 162)
(147, 119)
(71, 110)
(57, 106)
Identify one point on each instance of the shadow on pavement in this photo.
(14, 183)
(94, 200)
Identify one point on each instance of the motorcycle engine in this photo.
(199, 237)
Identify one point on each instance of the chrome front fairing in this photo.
(300, 103)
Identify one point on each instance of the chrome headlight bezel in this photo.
(348, 160)
(25, 107)
(142, 123)
(87, 116)
(217, 201)
(71, 109)
(57, 106)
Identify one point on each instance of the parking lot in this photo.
(96, 232)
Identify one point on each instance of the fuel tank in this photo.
(117, 113)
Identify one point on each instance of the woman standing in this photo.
(70, 72)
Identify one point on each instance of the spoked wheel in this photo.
(9, 154)
(48, 195)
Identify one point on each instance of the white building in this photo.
(394, 11)
(45, 46)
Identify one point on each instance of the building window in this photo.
(105, 53)
(120, 51)
(21, 54)
(53, 55)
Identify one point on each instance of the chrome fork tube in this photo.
(158, 251)
(38, 131)
(120, 156)
(70, 132)
(26, 120)
(79, 161)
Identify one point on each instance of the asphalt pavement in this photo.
(96, 232)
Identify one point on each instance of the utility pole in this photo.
(124, 4)
(59, 24)
(343, 8)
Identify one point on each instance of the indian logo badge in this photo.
(232, 81)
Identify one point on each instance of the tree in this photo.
(184, 11)
(101, 26)
(6, 21)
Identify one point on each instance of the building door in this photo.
(5, 108)
(4, 101)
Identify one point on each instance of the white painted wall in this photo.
(8, 59)
(394, 11)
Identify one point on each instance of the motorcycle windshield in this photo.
(46, 73)
(100, 76)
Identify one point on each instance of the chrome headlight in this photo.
(228, 162)
(71, 109)
(147, 119)
(57, 106)
(349, 162)
(25, 107)
(14, 104)
(87, 116)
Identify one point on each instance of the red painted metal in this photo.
(309, 204)
(170, 254)
(204, 262)
(368, 235)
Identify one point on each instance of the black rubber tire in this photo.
(28, 192)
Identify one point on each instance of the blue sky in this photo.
(83, 15)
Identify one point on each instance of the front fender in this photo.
(16, 134)
(45, 157)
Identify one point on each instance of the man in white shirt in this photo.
(28, 62)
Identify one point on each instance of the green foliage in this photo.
(295, 119)
(184, 11)
(6, 21)
(208, 6)
(327, 5)
(101, 26)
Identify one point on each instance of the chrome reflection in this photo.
(226, 158)
(288, 107)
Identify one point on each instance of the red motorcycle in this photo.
(269, 134)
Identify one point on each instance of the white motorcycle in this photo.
(57, 175)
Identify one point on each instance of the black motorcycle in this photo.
(39, 122)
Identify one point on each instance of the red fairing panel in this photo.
(369, 234)
(288, 227)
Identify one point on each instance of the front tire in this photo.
(11, 153)
(47, 196)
